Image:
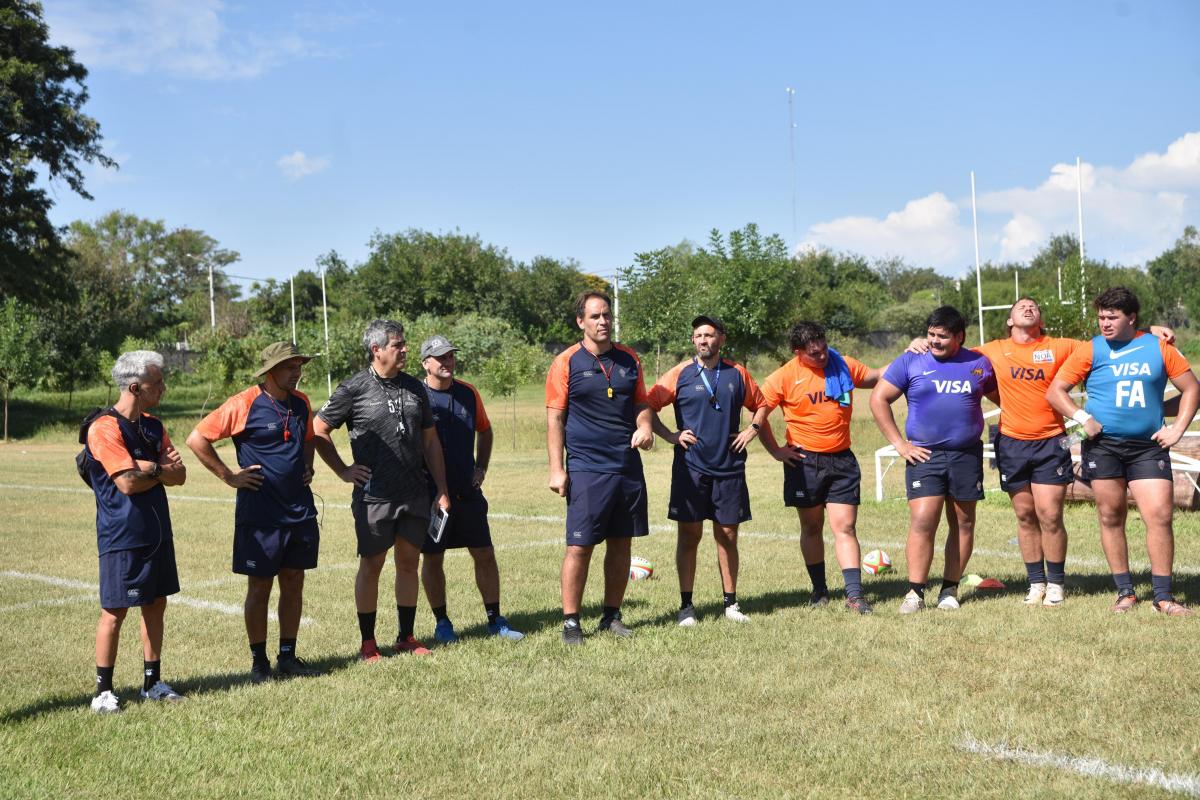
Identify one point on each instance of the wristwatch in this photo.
(156, 471)
(756, 427)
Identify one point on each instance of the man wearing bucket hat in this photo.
(275, 522)
(465, 433)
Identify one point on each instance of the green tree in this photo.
(660, 295)
(839, 290)
(22, 352)
(1176, 274)
(509, 369)
(540, 295)
(42, 127)
(754, 287)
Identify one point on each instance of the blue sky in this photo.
(593, 132)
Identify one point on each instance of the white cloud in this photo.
(297, 165)
(1131, 214)
(925, 231)
(186, 38)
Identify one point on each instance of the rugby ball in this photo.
(876, 562)
(640, 568)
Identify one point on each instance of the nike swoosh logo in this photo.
(929, 372)
(1125, 352)
(1007, 354)
(800, 380)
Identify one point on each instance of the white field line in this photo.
(1089, 767)
(1088, 563)
(176, 599)
(58, 601)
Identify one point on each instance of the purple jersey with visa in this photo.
(944, 411)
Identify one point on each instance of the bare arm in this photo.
(246, 478)
(791, 456)
(881, 408)
(1189, 398)
(174, 473)
(435, 462)
(684, 438)
(556, 437)
(1059, 399)
(483, 455)
(751, 431)
(643, 437)
(323, 442)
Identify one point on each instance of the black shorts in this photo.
(1130, 459)
(467, 526)
(822, 478)
(376, 525)
(1025, 461)
(957, 474)
(262, 552)
(139, 576)
(605, 505)
(696, 497)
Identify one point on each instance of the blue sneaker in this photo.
(500, 628)
(444, 633)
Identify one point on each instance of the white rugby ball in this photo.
(640, 568)
(876, 562)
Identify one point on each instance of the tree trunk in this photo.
(6, 412)
(514, 410)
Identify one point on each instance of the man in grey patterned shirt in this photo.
(393, 440)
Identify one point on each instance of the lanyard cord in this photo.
(284, 420)
(712, 393)
(607, 373)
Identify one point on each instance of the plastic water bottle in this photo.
(1077, 436)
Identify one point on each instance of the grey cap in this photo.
(436, 346)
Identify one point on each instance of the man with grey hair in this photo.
(127, 460)
(393, 440)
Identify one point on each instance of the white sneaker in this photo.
(1056, 593)
(161, 691)
(734, 614)
(948, 602)
(106, 703)
(1037, 592)
(913, 603)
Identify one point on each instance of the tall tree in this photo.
(21, 349)
(1177, 275)
(42, 127)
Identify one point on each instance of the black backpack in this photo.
(81, 459)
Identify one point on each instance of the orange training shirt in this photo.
(815, 422)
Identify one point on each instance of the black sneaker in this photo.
(295, 667)
(572, 633)
(818, 600)
(615, 627)
(859, 605)
(260, 672)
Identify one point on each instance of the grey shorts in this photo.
(378, 524)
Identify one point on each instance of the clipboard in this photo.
(437, 522)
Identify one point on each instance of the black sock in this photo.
(150, 671)
(685, 599)
(258, 652)
(919, 588)
(610, 613)
(493, 612)
(1036, 571)
(853, 579)
(730, 599)
(287, 648)
(948, 587)
(104, 679)
(366, 625)
(1162, 587)
(439, 613)
(1056, 572)
(571, 618)
(816, 573)
(407, 616)
(1124, 582)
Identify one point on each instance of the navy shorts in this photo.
(1025, 461)
(696, 497)
(1131, 459)
(467, 526)
(139, 576)
(822, 478)
(376, 525)
(957, 474)
(604, 505)
(262, 552)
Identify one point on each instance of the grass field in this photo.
(799, 703)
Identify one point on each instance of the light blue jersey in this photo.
(1125, 386)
